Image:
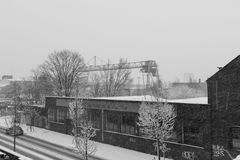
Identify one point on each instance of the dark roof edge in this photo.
(223, 68)
(120, 100)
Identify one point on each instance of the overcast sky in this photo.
(183, 36)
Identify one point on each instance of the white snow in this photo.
(105, 151)
(132, 98)
(237, 158)
(199, 100)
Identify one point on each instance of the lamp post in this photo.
(14, 126)
(76, 105)
(16, 100)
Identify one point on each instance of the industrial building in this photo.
(115, 119)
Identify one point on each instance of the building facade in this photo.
(116, 123)
(224, 97)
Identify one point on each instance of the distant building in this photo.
(180, 90)
(7, 77)
(201, 86)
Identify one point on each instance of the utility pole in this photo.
(15, 113)
(14, 126)
(76, 105)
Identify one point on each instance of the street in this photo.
(37, 150)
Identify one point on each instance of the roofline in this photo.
(122, 100)
(223, 68)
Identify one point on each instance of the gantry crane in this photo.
(149, 67)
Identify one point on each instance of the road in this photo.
(38, 150)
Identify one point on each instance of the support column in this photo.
(102, 124)
(183, 136)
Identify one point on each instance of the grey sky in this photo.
(183, 36)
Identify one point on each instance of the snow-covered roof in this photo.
(131, 98)
(199, 100)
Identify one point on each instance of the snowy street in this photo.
(36, 149)
(46, 137)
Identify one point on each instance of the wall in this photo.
(224, 97)
(177, 151)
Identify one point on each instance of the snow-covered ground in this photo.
(105, 151)
(237, 158)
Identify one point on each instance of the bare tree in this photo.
(111, 82)
(96, 85)
(62, 69)
(31, 113)
(30, 95)
(41, 87)
(156, 120)
(83, 130)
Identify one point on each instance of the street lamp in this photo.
(16, 100)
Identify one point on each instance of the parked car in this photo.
(18, 131)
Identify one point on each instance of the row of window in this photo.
(59, 117)
(114, 121)
(95, 117)
(121, 122)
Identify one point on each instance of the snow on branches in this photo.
(156, 120)
(83, 129)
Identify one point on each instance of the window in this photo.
(192, 133)
(235, 135)
(128, 123)
(95, 118)
(50, 114)
(112, 121)
(60, 115)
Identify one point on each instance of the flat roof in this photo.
(198, 100)
(131, 98)
(146, 98)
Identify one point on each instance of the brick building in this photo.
(224, 97)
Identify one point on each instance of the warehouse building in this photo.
(115, 119)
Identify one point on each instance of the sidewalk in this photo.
(104, 151)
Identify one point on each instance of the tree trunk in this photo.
(158, 150)
(86, 152)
